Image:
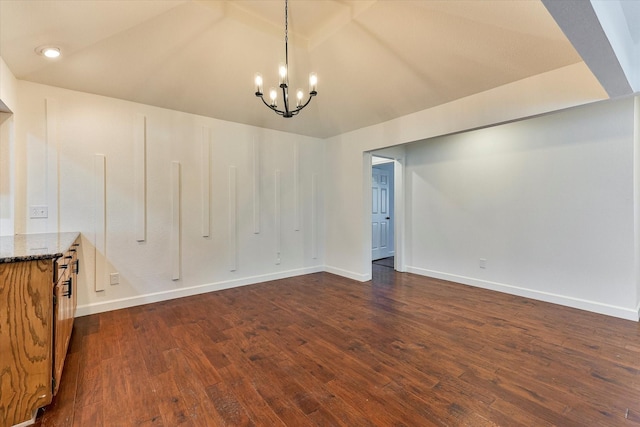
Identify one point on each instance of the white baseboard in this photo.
(348, 274)
(582, 304)
(101, 307)
(610, 310)
(29, 422)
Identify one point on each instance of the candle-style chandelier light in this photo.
(284, 81)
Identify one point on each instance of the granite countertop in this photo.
(29, 247)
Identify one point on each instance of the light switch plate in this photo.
(114, 278)
(39, 211)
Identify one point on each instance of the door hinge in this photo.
(55, 300)
(53, 384)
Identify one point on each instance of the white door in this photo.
(382, 243)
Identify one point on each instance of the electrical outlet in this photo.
(483, 263)
(39, 211)
(114, 278)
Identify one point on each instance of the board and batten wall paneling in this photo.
(140, 176)
(256, 185)
(100, 221)
(175, 221)
(205, 181)
(233, 219)
(98, 140)
(277, 217)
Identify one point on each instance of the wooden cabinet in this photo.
(37, 307)
(64, 304)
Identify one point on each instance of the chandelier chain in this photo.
(286, 33)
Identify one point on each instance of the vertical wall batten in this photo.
(256, 186)
(314, 216)
(205, 181)
(636, 198)
(296, 186)
(52, 175)
(232, 224)
(175, 221)
(100, 221)
(277, 217)
(140, 176)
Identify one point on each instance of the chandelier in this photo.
(284, 81)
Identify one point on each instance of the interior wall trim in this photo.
(52, 178)
(582, 304)
(314, 216)
(105, 306)
(277, 217)
(233, 219)
(256, 185)
(636, 197)
(176, 229)
(100, 221)
(296, 186)
(348, 274)
(205, 181)
(140, 176)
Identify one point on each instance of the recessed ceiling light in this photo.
(48, 51)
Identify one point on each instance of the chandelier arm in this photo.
(280, 112)
(303, 105)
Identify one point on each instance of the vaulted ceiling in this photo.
(376, 59)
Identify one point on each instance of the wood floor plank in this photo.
(199, 407)
(261, 413)
(116, 392)
(169, 399)
(321, 350)
(89, 391)
(88, 415)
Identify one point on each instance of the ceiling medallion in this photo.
(284, 81)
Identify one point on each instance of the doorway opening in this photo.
(382, 211)
(391, 160)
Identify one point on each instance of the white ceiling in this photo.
(376, 60)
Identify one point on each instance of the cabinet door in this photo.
(63, 323)
(74, 273)
(25, 338)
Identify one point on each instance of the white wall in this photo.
(548, 202)
(6, 174)
(8, 85)
(59, 133)
(347, 240)
(589, 263)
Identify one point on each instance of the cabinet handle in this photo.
(77, 267)
(69, 284)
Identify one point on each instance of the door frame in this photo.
(399, 206)
(389, 166)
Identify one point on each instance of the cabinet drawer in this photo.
(66, 265)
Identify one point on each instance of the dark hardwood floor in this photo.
(402, 350)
